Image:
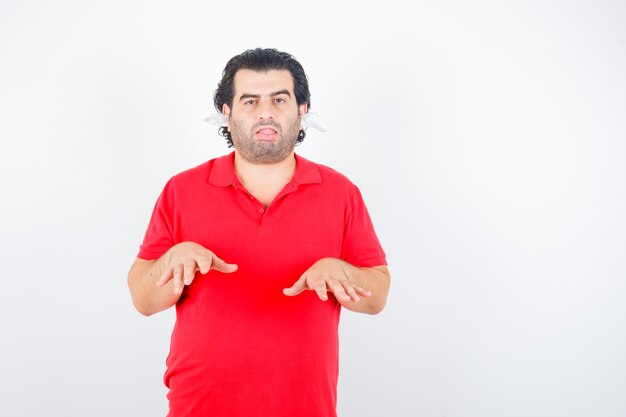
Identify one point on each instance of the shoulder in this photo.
(199, 174)
(190, 181)
(331, 174)
(330, 177)
(337, 186)
(193, 174)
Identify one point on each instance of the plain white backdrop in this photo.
(488, 139)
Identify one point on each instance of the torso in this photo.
(240, 347)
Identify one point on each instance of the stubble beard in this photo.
(264, 152)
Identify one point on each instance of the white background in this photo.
(488, 139)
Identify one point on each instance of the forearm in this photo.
(376, 280)
(148, 298)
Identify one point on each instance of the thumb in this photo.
(221, 266)
(296, 288)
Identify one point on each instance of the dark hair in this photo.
(260, 60)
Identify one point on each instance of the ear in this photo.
(226, 112)
(302, 109)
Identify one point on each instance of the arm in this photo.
(360, 289)
(156, 285)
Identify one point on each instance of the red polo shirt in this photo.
(239, 346)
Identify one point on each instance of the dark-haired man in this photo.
(235, 244)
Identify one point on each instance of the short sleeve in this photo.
(159, 237)
(360, 246)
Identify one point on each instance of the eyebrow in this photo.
(272, 94)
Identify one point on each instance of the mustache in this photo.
(269, 123)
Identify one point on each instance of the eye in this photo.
(248, 102)
(279, 100)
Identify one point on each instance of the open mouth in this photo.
(266, 133)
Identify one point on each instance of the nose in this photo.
(265, 110)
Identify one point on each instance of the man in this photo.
(258, 250)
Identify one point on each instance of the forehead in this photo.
(262, 82)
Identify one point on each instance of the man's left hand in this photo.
(329, 274)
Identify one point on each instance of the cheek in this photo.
(238, 124)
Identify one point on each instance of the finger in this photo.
(297, 287)
(164, 278)
(338, 290)
(220, 265)
(351, 291)
(204, 264)
(189, 272)
(321, 290)
(178, 279)
(362, 292)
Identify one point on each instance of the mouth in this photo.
(266, 133)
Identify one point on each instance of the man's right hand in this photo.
(178, 266)
(183, 260)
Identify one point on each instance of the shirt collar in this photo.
(223, 171)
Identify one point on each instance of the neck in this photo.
(267, 179)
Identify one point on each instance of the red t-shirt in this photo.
(240, 347)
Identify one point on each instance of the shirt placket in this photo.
(260, 210)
